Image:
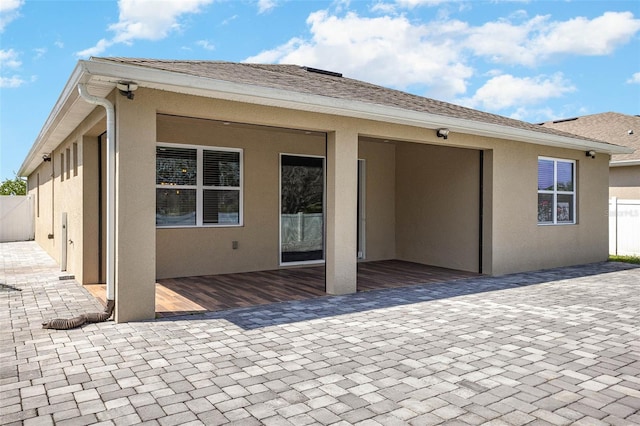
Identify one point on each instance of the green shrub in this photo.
(625, 259)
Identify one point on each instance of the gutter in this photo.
(111, 180)
(624, 163)
(194, 85)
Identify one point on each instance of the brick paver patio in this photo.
(553, 347)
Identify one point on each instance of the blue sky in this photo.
(530, 60)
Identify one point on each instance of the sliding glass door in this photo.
(301, 209)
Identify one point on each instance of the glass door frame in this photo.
(324, 210)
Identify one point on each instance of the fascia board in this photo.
(624, 163)
(201, 86)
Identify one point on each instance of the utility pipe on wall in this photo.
(111, 187)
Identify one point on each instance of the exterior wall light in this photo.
(442, 133)
(127, 88)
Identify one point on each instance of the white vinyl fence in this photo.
(624, 227)
(302, 232)
(16, 218)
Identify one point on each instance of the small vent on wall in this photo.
(323, 72)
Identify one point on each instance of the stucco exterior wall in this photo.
(380, 199)
(62, 189)
(437, 199)
(422, 196)
(519, 243)
(624, 182)
(510, 199)
(204, 251)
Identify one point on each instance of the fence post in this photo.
(300, 226)
(614, 200)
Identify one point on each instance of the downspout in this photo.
(64, 324)
(111, 183)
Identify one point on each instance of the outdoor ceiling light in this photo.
(590, 153)
(127, 88)
(442, 133)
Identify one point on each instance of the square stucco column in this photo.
(342, 212)
(135, 258)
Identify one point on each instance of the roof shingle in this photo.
(611, 127)
(298, 79)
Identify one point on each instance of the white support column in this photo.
(342, 212)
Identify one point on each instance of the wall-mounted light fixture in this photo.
(46, 157)
(442, 133)
(590, 153)
(127, 88)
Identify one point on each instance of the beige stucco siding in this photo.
(208, 250)
(437, 199)
(422, 195)
(61, 192)
(624, 182)
(380, 199)
(519, 243)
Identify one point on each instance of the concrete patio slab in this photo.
(557, 346)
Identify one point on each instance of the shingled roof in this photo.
(612, 127)
(285, 86)
(312, 81)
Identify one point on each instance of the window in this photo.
(198, 186)
(68, 163)
(75, 159)
(556, 191)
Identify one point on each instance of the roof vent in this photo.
(323, 72)
(565, 120)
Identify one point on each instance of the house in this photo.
(618, 129)
(151, 169)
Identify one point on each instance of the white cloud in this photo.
(540, 39)
(384, 50)
(415, 3)
(9, 10)
(11, 82)
(9, 59)
(206, 44)
(506, 91)
(635, 79)
(39, 52)
(435, 56)
(145, 20)
(100, 47)
(266, 5)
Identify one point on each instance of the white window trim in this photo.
(199, 186)
(555, 192)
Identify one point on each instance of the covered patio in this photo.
(189, 295)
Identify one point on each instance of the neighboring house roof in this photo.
(612, 127)
(287, 86)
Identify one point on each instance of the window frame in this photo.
(200, 187)
(555, 192)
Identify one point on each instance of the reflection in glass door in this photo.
(301, 209)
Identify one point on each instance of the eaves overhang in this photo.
(624, 163)
(102, 76)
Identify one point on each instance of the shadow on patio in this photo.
(327, 308)
(189, 295)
